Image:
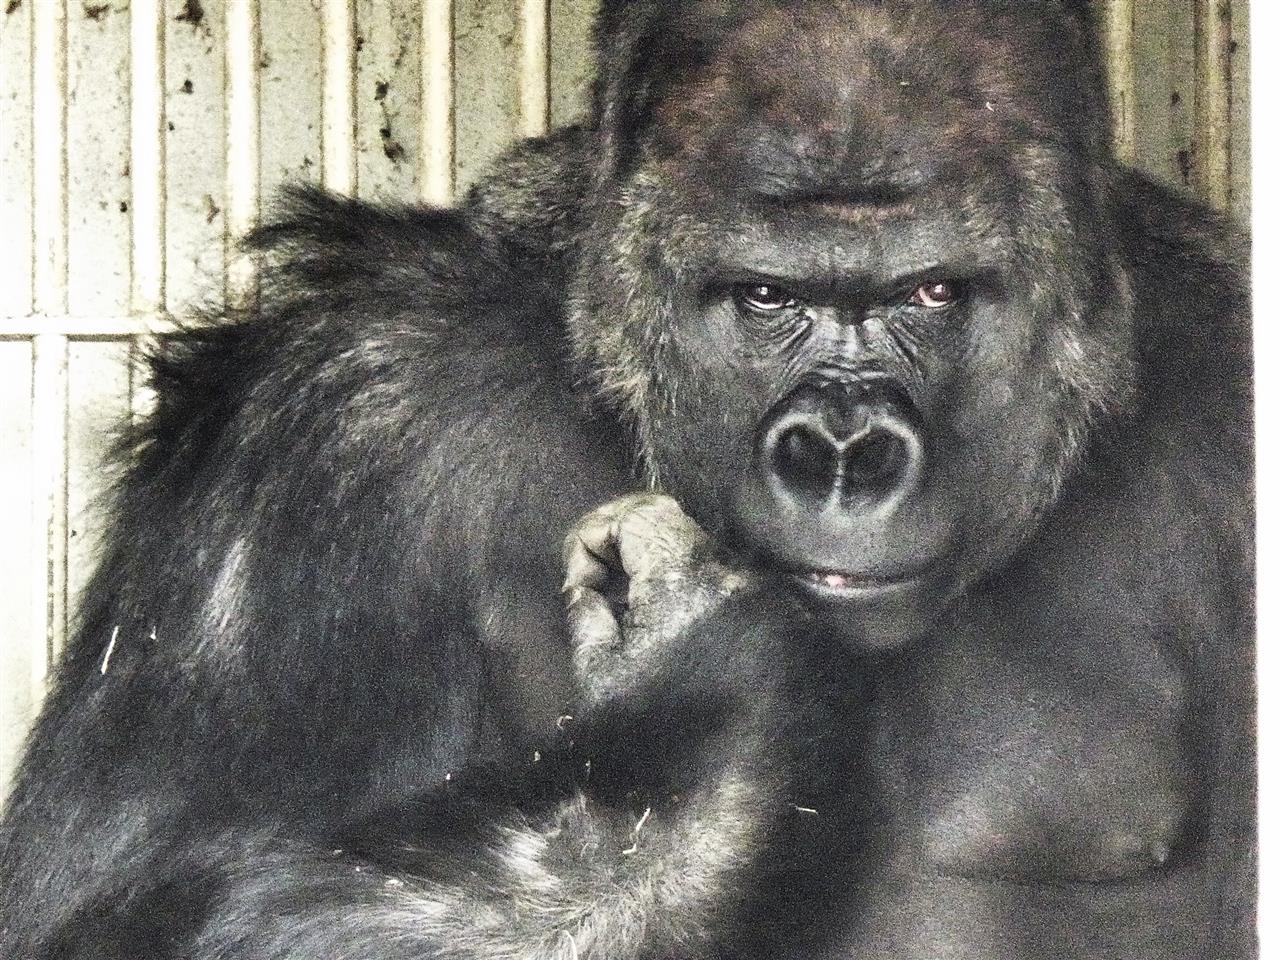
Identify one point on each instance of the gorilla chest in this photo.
(1055, 757)
(1036, 801)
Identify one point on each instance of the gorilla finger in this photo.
(659, 535)
(591, 621)
(600, 522)
(588, 562)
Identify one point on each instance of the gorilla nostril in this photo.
(875, 461)
(855, 451)
(806, 460)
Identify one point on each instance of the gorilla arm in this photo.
(692, 725)
(627, 864)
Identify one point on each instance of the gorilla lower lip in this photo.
(835, 581)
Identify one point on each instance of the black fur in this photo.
(324, 698)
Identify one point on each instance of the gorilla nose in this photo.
(849, 446)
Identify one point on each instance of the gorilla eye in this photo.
(763, 297)
(933, 295)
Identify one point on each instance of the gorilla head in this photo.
(852, 281)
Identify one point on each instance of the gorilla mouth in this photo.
(845, 584)
(840, 581)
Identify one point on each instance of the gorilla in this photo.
(802, 511)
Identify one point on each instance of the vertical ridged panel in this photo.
(16, 270)
(146, 154)
(148, 129)
(388, 97)
(195, 160)
(1164, 58)
(533, 24)
(1178, 82)
(571, 62)
(486, 72)
(98, 404)
(1122, 76)
(1213, 100)
(1241, 148)
(49, 155)
(47, 583)
(291, 93)
(98, 174)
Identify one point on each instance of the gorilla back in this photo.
(931, 639)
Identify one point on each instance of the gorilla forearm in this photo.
(453, 879)
(583, 881)
(675, 790)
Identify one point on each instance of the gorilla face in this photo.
(859, 301)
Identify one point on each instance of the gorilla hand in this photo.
(641, 576)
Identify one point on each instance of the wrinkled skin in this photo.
(802, 512)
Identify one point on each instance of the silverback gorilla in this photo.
(804, 511)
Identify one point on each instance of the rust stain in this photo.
(211, 209)
(1185, 166)
(192, 12)
(392, 148)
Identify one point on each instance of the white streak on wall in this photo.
(437, 127)
(146, 165)
(242, 145)
(534, 76)
(338, 171)
(1122, 77)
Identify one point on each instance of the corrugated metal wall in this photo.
(138, 136)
